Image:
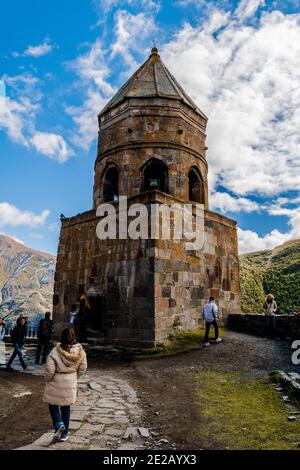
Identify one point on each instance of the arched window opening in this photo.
(195, 187)
(155, 176)
(111, 185)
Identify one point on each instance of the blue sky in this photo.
(60, 62)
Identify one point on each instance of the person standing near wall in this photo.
(83, 318)
(18, 338)
(73, 322)
(2, 344)
(65, 364)
(270, 308)
(210, 316)
(45, 330)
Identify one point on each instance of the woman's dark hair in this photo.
(67, 338)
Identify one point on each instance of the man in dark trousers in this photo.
(18, 338)
(45, 331)
(210, 315)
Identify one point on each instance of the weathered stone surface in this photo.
(95, 386)
(143, 432)
(114, 432)
(130, 433)
(74, 425)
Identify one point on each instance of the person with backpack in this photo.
(45, 331)
(65, 364)
(210, 315)
(18, 335)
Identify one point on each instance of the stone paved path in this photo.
(106, 415)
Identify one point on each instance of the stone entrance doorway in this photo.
(97, 321)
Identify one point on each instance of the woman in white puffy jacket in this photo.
(65, 364)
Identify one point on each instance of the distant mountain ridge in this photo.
(274, 271)
(26, 280)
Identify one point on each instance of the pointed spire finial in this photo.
(154, 49)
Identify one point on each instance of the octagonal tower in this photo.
(151, 136)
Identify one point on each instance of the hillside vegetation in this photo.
(274, 271)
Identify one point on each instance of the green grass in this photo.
(241, 413)
(178, 342)
(185, 340)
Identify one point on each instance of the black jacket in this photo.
(18, 335)
(45, 329)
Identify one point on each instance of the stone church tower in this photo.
(151, 148)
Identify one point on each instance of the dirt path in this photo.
(22, 419)
(158, 394)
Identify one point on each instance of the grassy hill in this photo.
(274, 271)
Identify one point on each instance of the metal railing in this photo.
(31, 333)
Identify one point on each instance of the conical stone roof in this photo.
(151, 80)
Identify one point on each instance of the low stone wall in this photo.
(285, 325)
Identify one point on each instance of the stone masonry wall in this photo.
(148, 287)
(184, 280)
(119, 271)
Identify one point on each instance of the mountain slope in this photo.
(274, 271)
(26, 280)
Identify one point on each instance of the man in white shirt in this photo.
(210, 315)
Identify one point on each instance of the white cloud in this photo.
(18, 118)
(2, 88)
(247, 8)
(85, 118)
(13, 217)
(227, 203)
(251, 241)
(94, 70)
(129, 30)
(245, 77)
(17, 112)
(12, 120)
(36, 51)
(52, 145)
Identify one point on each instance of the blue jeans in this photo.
(270, 322)
(17, 352)
(43, 346)
(60, 416)
(208, 324)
